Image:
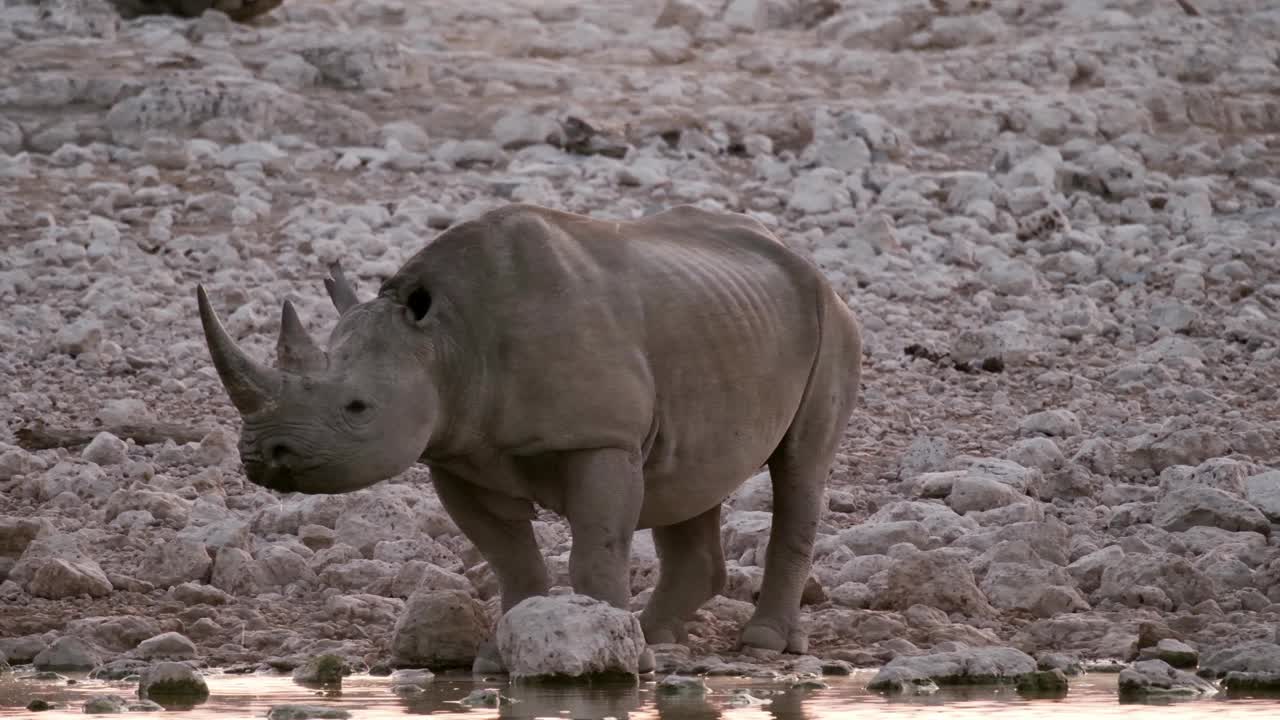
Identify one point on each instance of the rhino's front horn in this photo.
(250, 385)
(296, 352)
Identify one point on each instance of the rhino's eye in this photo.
(355, 407)
(419, 303)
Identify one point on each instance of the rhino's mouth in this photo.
(263, 475)
(278, 464)
(316, 477)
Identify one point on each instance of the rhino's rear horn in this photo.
(341, 292)
(250, 385)
(296, 352)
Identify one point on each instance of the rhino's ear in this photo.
(341, 292)
(296, 352)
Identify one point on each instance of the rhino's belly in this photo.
(692, 469)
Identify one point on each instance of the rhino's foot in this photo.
(647, 662)
(488, 661)
(766, 636)
(670, 632)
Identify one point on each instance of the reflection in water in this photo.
(685, 706)
(371, 698)
(618, 700)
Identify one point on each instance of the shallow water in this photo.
(370, 698)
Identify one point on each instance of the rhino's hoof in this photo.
(647, 662)
(487, 666)
(660, 636)
(488, 661)
(764, 637)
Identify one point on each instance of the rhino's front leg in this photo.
(603, 494)
(501, 529)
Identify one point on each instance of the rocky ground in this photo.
(1057, 220)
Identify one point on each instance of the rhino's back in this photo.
(687, 335)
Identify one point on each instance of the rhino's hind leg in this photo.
(799, 469)
(797, 504)
(692, 572)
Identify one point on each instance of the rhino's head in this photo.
(338, 420)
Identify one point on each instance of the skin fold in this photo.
(625, 375)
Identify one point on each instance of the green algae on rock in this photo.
(175, 683)
(321, 670)
(1175, 652)
(682, 684)
(1043, 684)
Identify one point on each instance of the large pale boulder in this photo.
(1263, 492)
(875, 538)
(1087, 570)
(175, 562)
(1192, 506)
(1138, 579)
(937, 578)
(117, 633)
(569, 635)
(1258, 656)
(744, 530)
(67, 653)
(1041, 589)
(16, 533)
(169, 646)
(58, 579)
(979, 492)
(373, 519)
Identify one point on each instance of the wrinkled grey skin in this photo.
(238, 10)
(625, 375)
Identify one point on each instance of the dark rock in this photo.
(1156, 678)
(1252, 682)
(1057, 661)
(1043, 683)
(321, 670)
(172, 681)
(67, 653)
(960, 667)
(1178, 654)
(439, 629)
(119, 669)
(1259, 656)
